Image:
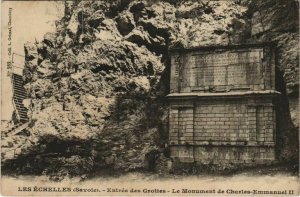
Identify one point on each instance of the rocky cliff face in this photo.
(278, 21)
(96, 86)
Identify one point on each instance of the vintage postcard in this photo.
(150, 98)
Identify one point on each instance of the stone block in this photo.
(211, 123)
(269, 139)
(260, 139)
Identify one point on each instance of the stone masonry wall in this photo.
(229, 121)
(223, 130)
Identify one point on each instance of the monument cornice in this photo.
(182, 49)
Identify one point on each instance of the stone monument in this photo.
(222, 104)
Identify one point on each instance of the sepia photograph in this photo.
(150, 98)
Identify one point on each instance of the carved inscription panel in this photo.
(224, 70)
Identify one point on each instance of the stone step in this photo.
(20, 106)
(20, 89)
(24, 120)
(19, 96)
(17, 77)
(18, 81)
(19, 101)
(22, 109)
(20, 85)
(23, 114)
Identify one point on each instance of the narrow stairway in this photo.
(12, 143)
(19, 96)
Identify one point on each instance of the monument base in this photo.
(224, 155)
(222, 129)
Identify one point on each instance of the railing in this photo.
(17, 59)
(16, 130)
(16, 150)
